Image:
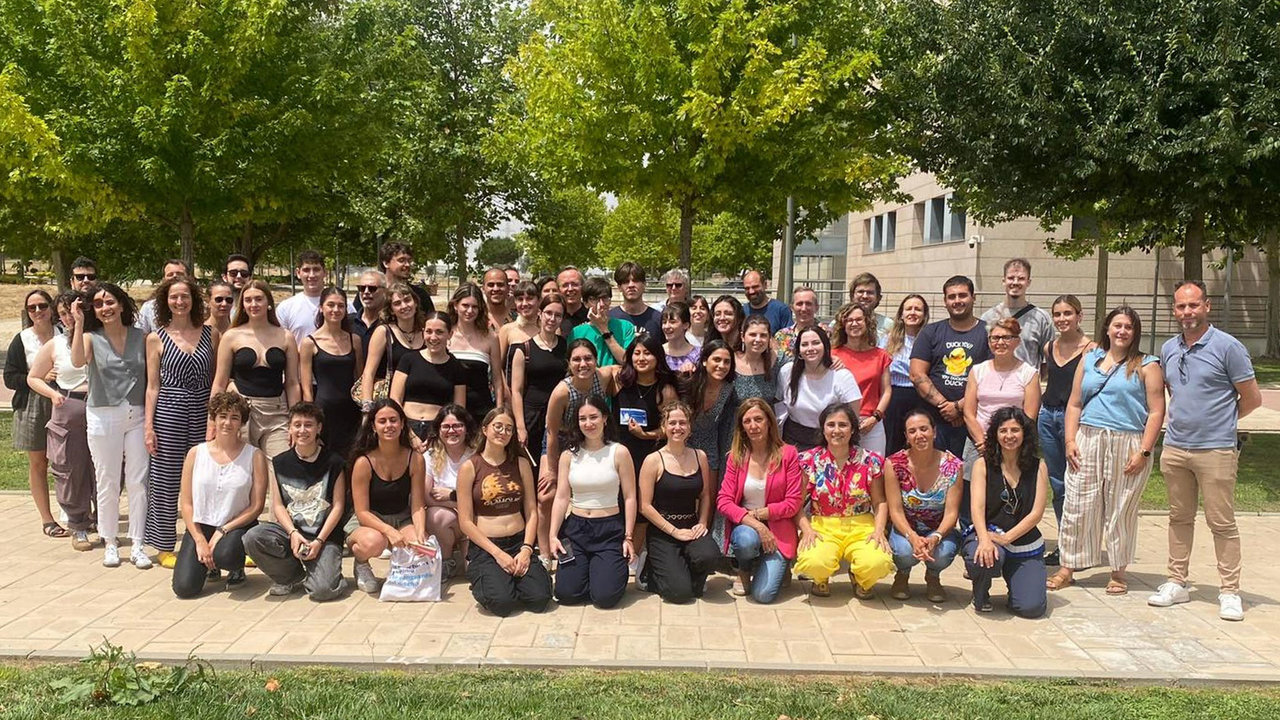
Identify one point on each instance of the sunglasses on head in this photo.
(85, 276)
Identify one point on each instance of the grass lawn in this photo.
(499, 694)
(1257, 485)
(13, 463)
(1267, 371)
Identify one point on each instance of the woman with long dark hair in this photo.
(913, 314)
(180, 366)
(68, 446)
(1008, 491)
(755, 367)
(388, 490)
(807, 385)
(331, 359)
(699, 320)
(645, 384)
(727, 319)
(261, 357)
(1114, 415)
(428, 379)
(400, 334)
(760, 497)
(476, 350)
(594, 513)
(498, 513)
(711, 394)
(115, 353)
(31, 412)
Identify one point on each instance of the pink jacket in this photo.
(783, 494)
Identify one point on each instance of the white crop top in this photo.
(70, 377)
(593, 479)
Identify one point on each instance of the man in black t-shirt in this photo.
(941, 358)
(303, 547)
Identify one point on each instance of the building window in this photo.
(943, 221)
(883, 231)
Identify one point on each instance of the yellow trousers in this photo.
(848, 539)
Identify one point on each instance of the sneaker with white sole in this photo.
(283, 589)
(80, 541)
(366, 580)
(111, 556)
(1230, 607)
(139, 558)
(1169, 593)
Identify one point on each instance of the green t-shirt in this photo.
(623, 332)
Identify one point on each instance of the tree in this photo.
(705, 106)
(731, 243)
(1155, 117)
(188, 115)
(564, 226)
(642, 231)
(497, 252)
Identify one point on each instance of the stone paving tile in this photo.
(55, 599)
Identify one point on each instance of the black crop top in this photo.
(676, 497)
(256, 380)
(427, 382)
(389, 497)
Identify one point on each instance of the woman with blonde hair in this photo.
(760, 497)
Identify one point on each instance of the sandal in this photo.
(54, 530)
(1059, 580)
(1117, 587)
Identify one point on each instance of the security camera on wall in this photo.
(974, 241)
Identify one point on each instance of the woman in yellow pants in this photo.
(846, 513)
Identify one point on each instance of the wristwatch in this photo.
(606, 335)
(877, 414)
(1146, 453)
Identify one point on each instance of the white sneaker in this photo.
(139, 558)
(366, 580)
(283, 589)
(1169, 593)
(1229, 607)
(111, 556)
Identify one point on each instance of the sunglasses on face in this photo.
(223, 300)
(238, 273)
(675, 285)
(85, 276)
(37, 307)
(368, 288)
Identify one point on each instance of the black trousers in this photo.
(598, 572)
(498, 591)
(189, 573)
(678, 570)
(902, 400)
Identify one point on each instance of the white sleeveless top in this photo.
(593, 479)
(70, 377)
(448, 475)
(220, 492)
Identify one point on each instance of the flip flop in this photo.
(54, 530)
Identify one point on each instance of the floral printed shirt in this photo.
(924, 510)
(840, 490)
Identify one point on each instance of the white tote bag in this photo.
(414, 574)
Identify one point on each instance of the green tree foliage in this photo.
(497, 252)
(564, 226)
(705, 106)
(188, 116)
(641, 230)
(731, 243)
(1156, 118)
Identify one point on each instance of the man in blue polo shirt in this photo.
(1211, 386)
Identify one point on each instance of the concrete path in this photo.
(55, 603)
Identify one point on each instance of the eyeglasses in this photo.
(223, 300)
(368, 288)
(1002, 338)
(85, 276)
(238, 273)
(37, 307)
(453, 427)
(502, 428)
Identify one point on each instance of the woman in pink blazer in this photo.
(760, 498)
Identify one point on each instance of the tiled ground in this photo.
(55, 601)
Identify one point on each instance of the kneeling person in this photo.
(303, 547)
(498, 511)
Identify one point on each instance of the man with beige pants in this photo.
(1211, 386)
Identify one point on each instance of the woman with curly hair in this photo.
(1008, 491)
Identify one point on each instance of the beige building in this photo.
(914, 247)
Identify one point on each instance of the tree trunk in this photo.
(246, 239)
(187, 234)
(686, 233)
(1273, 292)
(1100, 293)
(1193, 249)
(58, 262)
(460, 254)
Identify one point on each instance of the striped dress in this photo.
(180, 421)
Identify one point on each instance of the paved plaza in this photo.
(56, 602)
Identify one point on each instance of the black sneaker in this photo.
(214, 574)
(1052, 559)
(235, 577)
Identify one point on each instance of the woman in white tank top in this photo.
(594, 512)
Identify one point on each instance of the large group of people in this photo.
(555, 444)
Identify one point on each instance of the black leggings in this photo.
(678, 569)
(498, 591)
(902, 400)
(189, 573)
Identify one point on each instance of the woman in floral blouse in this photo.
(844, 486)
(923, 490)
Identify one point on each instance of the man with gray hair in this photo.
(804, 306)
(677, 282)
(371, 298)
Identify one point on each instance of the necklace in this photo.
(310, 457)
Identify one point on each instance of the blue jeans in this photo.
(1025, 577)
(767, 571)
(943, 554)
(1053, 445)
